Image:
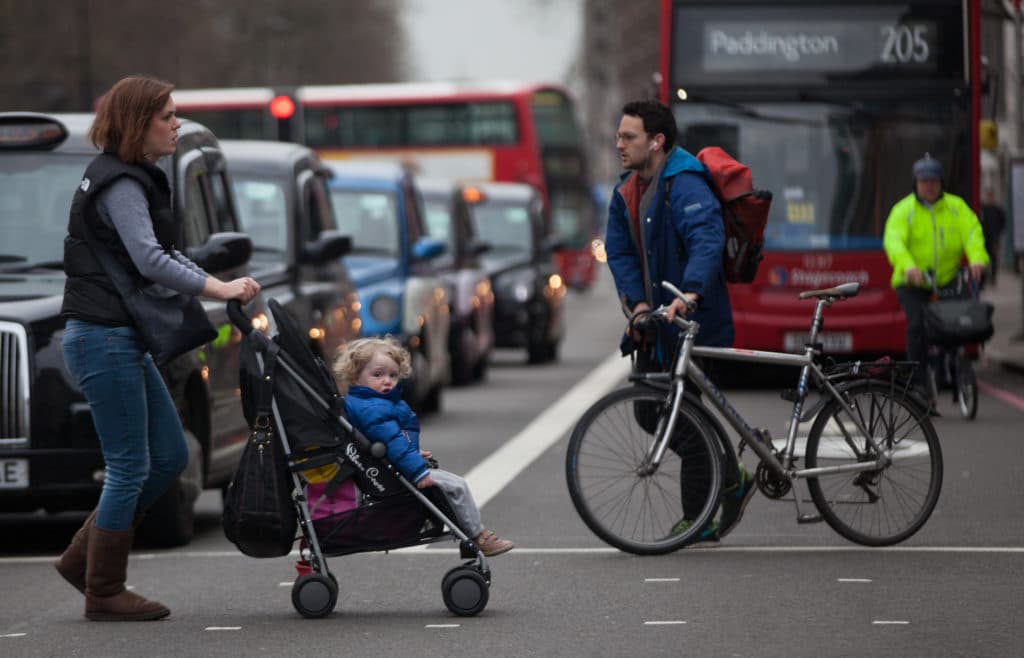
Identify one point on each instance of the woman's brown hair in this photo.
(124, 114)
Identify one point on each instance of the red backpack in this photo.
(744, 213)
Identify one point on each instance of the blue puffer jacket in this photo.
(388, 419)
(683, 247)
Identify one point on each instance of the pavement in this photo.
(1006, 348)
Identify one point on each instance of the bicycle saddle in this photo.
(843, 290)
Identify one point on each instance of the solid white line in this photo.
(882, 622)
(14, 635)
(442, 626)
(663, 623)
(223, 628)
(854, 580)
(661, 580)
(968, 550)
(491, 475)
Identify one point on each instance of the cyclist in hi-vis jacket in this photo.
(929, 230)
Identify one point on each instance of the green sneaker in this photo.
(709, 535)
(735, 500)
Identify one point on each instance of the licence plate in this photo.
(13, 473)
(832, 341)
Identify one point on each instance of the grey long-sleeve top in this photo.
(123, 206)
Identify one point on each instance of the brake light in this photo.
(472, 195)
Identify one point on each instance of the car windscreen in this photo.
(505, 226)
(263, 211)
(36, 189)
(438, 214)
(370, 217)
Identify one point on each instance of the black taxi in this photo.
(529, 294)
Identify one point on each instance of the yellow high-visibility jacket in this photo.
(932, 238)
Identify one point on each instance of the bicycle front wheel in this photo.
(620, 496)
(966, 387)
(882, 506)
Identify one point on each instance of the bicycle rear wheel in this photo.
(966, 386)
(884, 506)
(629, 506)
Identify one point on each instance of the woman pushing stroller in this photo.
(372, 367)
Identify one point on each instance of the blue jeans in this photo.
(140, 433)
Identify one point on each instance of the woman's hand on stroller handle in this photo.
(238, 317)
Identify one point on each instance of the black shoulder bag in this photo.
(170, 322)
(259, 513)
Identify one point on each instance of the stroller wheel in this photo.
(314, 595)
(465, 591)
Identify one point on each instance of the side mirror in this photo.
(428, 248)
(328, 246)
(477, 247)
(552, 243)
(221, 252)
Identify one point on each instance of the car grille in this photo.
(13, 385)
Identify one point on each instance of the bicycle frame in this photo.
(686, 370)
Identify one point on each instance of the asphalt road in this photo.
(773, 588)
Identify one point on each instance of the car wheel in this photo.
(462, 369)
(171, 520)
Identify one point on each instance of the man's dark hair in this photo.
(656, 117)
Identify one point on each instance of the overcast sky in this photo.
(496, 39)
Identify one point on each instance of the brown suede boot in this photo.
(106, 598)
(71, 563)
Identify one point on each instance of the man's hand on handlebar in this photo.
(914, 276)
(681, 306)
(977, 271)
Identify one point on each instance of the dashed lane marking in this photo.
(14, 635)
(890, 622)
(661, 580)
(442, 626)
(854, 580)
(223, 628)
(675, 622)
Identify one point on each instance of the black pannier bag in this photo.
(259, 513)
(953, 322)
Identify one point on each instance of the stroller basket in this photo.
(321, 446)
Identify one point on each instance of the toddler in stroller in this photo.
(305, 451)
(372, 368)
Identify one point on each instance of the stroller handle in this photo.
(238, 317)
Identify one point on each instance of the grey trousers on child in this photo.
(463, 505)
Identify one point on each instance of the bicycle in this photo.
(955, 361)
(872, 459)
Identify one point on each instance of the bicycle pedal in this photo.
(809, 518)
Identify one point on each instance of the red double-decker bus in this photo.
(829, 104)
(518, 132)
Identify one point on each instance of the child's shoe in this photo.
(490, 544)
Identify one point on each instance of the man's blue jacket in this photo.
(683, 246)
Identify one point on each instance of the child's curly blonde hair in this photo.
(353, 357)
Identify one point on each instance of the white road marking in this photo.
(854, 580)
(491, 475)
(442, 626)
(223, 628)
(965, 550)
(664, 623)
(884, 622)
(14, 635)
(661, 580)
(285, 584)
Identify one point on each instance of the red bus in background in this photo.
(515, 132)
(829, 104)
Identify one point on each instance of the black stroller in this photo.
(307, 416)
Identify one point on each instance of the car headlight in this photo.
(521, 291)
(384, 309)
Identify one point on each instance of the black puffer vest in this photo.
(89, 294)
